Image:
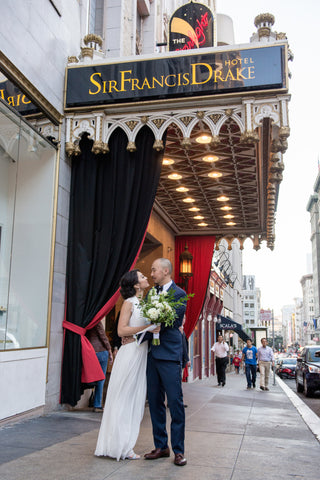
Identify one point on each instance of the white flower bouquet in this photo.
(160, 308)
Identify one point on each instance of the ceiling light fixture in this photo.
(210, 158)
(231, 223)
(223, 198)
(204, 138)
(202, 224)
(226, 207)
(194, 209)
(214, 174)
(167, 161)
(198, 217)
(188, 200)
(228, 216)
(174, 176)
(182, 189)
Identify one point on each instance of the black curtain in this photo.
(111, 200)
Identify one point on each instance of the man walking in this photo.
(265, 360)
(164, 374)
(249, 355)
(221, 348)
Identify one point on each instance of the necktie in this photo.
(159, 288)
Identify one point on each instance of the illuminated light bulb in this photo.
(226, 207)
(228, 216)
(204, 138)
(210, 158)
(174, 176)
(214, 174)
(231, 223)
(188, 200)
(167, 161)
(182, 189)
(198, 217)
(194, 209)
(223, 198)
(202, 224)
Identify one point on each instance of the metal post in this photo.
(274, 368)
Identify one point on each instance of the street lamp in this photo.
(185, 268)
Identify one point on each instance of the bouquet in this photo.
(160, 308)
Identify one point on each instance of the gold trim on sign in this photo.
(13, 74)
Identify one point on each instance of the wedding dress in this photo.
(126, 396)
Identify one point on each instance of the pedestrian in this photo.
(102, 347)
(220, 349)
(249, 356)
(236, 362)
(265, 360)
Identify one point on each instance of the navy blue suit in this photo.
(164, 377)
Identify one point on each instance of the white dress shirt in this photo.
(220, 349)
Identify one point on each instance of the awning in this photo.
(226, 323)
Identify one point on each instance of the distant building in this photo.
(308, 328)
(251, 302)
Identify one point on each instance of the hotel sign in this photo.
(176, 76)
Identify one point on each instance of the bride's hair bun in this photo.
(127, 283)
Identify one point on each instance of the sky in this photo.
(278, 272)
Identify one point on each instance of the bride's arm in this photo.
(123, 326)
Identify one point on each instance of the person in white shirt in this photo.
(220, 349)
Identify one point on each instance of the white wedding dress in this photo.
(126, 396)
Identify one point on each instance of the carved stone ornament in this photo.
(131, 147)
(87, 52)
(158, 145)
(186, 120)
(132, 124)
(229, 112)
(250, 137)
(92, 38)
(200, 115)
(186, 143)
(284, 132)
(72, 149)
(215, 117)
(73, 59)
(281, 36)
(99, 147)
(264, 18)
(158, 122)
(215, 141)
(144, 119)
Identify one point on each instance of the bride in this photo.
(126, 394)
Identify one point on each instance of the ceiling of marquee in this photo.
(242, 181)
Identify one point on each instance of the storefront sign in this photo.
(15, 97)
(177, 76)
(191, 26)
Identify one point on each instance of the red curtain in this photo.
(201, 247)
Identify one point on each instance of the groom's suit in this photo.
(164, 377)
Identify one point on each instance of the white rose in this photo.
(153, 313)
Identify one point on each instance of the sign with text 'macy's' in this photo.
(177, 76)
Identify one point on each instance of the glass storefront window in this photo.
(27, 167)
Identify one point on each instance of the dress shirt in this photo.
(166, 287)
(220, 349)
(265, 354)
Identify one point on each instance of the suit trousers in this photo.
(221, 364)
(164, 377)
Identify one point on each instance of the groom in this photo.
(164, 374)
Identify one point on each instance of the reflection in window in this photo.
(27, 164)
(96, 17)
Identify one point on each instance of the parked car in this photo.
(286, 368)
(308, 370)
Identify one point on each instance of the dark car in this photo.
(308, 370)
(286, 368)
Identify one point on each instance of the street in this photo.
(312, 402)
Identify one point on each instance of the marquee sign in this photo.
(15, 97)
(191, 26)
(177, 76)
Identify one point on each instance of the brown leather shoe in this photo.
(179, 460)
(157, 453)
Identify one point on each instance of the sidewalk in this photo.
(231, 434)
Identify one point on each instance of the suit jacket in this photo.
(170, 347)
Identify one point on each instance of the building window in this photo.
(246, 305)
(27, 166)
(251, 297)
(96, 17)
(251, 305)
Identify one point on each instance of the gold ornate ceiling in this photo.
(239, 175)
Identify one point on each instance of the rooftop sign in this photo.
(176, 76)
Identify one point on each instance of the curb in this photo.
(309, 417)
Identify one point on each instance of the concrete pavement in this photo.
(231, 434)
